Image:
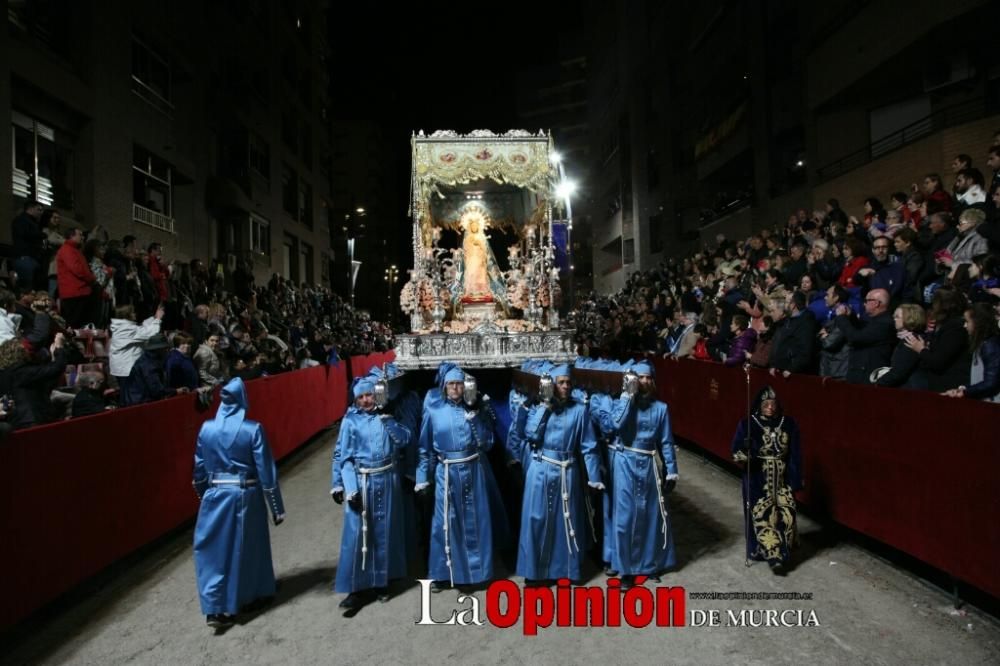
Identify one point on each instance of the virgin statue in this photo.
(478, 278)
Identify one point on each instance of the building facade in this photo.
(170, 123)
(709, 118)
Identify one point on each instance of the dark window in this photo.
(305, 206)
(151, 75)
(656, 233)
(307, 152)
(260, 155)
(289, 190)
(260, 235)
(629, 251)
(151, 181)
(652, 171)
(290, 131)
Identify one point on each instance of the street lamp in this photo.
(565, 190)
(391, 277)
(351, 229)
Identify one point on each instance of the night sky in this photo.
(443, 68)
(437, 68)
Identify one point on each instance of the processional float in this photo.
(464, 305)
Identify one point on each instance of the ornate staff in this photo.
(746, 490)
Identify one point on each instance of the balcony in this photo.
(152, 97)
(940, 119)
(151, 218)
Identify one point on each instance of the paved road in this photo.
(869, 611)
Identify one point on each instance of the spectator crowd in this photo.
(899, 295)
(89, 324)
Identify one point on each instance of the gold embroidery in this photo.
(773, 513)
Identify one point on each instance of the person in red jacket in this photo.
(855, 257)
(76, 282)
(937, 197)
(158, 271)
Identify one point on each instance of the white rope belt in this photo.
(365, 473)
(564, 488)
(447, 517)
(658, 462)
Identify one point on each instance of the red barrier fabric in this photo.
(911, 469)
(360, 365)
(82, 494)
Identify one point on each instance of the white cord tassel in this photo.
(447, 508)
(447, 520)
(564, 488)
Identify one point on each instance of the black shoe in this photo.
(655, 578)
(438, 586)
(628, 582)
(382, 594)
(777, 568)
(352, 601)
(220, 620)
(609, 572)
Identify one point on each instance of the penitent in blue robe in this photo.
(475, 519)
(236, 480)
(366, 461)
(641, 538)
(554, 522)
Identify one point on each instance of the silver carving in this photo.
(492, 350)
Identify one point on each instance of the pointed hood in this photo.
(232, 411)
(443, 370)
(362, 385)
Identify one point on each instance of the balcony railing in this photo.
(149, 217)
(949, 116)
(153, 98)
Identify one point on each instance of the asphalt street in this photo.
(868, 610)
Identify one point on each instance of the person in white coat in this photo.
(127, 340)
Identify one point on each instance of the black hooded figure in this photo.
(767, 447)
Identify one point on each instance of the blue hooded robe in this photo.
(642, 460)
(406, 408)
(469, 521)
(554, 533)
(237, 482)
(366, 462)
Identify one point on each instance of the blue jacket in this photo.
(180, 371)
(989, 386)
(146, 381)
